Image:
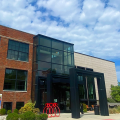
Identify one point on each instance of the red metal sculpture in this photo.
(52, 109)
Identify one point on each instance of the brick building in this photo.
(20, 67)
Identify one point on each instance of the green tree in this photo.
(115, 92)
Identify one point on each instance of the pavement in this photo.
(86, 116)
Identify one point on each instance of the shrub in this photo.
(113, 111)
(3, 111)
(84, 107)
(42, 116)
(15, 111)
(110, 100)
(118, 108)
(36, 110)
(27, 116)
(12, 116)
(27, 107)
(9, 111)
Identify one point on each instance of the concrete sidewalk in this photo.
(87, 116)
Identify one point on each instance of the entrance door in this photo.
(61, 95)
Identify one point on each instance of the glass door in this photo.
(61, 95)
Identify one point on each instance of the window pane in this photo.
(23, 56)
(21, 75)
(9, 85)
(12, 54)
(43, 73)
(19, 105)
(68, 47)
(20, 85)
(10, 74)
(57, 45)
(66, 70)
(13, 50)
(57, 56)
(7, 106)
(70, 58)
(90, 84)
(45, 42)
(81, 91)
(65, 58)
(44, 66)
(44, 54)
(80, 78)
(57, 68)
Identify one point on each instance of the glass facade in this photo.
(57, 57)
(15, 80)
(91, 87)
(18, 50)
(52, 55)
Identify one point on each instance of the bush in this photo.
(15, 111)
(12, 116)
(84, 107)
(3, 111)
(9, 111)
(110, 100)
(36, 110)
(113, 111)
(27, 107)
(42, 116)
(27, 116)
(118, 108)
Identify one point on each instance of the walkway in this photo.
(87, 116)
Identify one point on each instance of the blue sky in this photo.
(92, 25)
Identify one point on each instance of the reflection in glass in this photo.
(45, 41)
(65, 58)
(81, 91)
(44, 66)
(57, 45)
(57, 56)
(68, 47)
(90, 84)
(57, 68)
(80, 78)
(44, 54)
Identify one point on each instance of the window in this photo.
(44, 54)
(68, 47)
(57, 68)
(7, 105)
(57, 45)
(45, 42)
(19, 105)
(15, 80)
(80, 78)
(18, 50)
(57, 56)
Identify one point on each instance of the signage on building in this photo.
(0, 100)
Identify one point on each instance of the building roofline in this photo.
(53, 38)
(94, 57)
(17, 30)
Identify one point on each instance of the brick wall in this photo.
(6, 34)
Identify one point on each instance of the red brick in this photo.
(6, 34)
